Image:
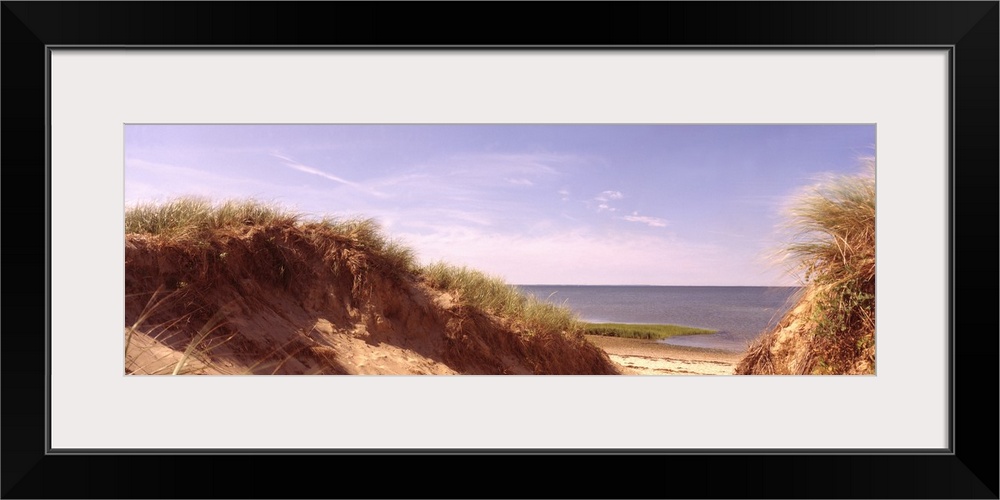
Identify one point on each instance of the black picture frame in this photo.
(968, 470)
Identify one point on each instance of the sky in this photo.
(532, 204)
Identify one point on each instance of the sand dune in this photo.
(299, 299)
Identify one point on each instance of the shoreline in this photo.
(649, 357)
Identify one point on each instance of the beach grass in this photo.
(193, 216)
(366, 234)
(836, 249)
(197, 218)
(641, 331)
(494, 295)
(832, 245)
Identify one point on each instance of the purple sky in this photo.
(535, 204)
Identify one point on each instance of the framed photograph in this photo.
(134, 109)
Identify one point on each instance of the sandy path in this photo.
(645, 357)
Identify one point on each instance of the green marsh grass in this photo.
(641, 331)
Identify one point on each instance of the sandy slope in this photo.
(292, 299)
(644, 357)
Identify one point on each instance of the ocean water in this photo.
(739, 313)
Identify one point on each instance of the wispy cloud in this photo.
(649, 221)
(564, 194)
(520, 182)
(438, 217)
(609, 195)
(293, 164)
(604, 200)
(462, 177)
(492, 170)
(525, 163)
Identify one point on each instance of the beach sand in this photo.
(648, 357)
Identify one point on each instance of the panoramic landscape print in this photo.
(470, 249)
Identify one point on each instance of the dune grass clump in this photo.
(641, 331)
(839, 260)
(366, 234)
(835, 223)
(492, 294)
(193, 216)
(197, 218)
(836, 250)
(833, 246)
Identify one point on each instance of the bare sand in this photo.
(649, 357)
